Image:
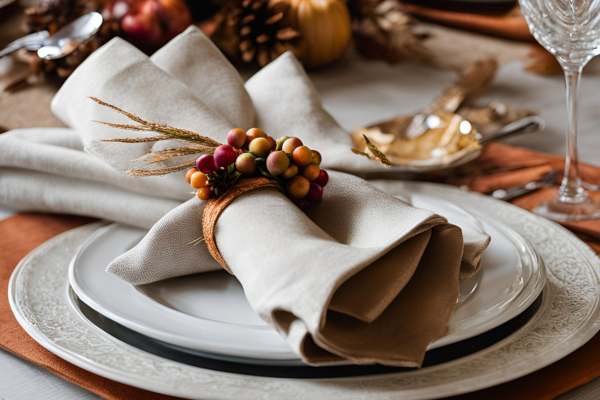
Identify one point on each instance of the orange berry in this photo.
(272, 142)
(302, 156)
(290, 144)
(198, 180)
(310, 172)
(188, 175)
(204, 193)
(298, 187)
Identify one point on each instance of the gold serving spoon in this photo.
(476, 79)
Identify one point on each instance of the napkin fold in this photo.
(363, 277)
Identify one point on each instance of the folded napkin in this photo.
(363, 277)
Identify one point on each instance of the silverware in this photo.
(31, 42)
(524, 125)
(590, 186)
(507, 194)
(63, 42)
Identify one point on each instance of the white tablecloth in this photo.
(358, 92)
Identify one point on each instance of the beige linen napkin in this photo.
(362, 277)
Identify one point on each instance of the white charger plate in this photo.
(210, 313)
(567, 319)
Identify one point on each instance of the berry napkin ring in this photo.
(250, 160)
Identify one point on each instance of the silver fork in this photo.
(507, 194)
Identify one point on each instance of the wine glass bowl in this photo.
(570, 30)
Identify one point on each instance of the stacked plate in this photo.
(198, 335)
(208, 316)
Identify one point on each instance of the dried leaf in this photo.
(377, 155)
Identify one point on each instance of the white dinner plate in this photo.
(209, 312)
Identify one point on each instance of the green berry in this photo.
(245, 163)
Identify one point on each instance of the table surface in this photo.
(359, 92)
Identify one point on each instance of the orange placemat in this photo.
(512, 25)
(19, 235)
(499, 166)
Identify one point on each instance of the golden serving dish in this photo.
(450, 132)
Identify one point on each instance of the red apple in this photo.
(149, 24)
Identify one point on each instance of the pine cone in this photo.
(50, 15)
(255, 31)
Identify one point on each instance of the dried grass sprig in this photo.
(140, 173)
(174, 133)
(127, 127)
(163, 155)
(377, 155)
(139, 140)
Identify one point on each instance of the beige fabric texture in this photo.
(363, 277)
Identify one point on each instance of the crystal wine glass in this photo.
(569, 29)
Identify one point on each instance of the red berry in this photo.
(224, 156)
(323, 178)
(206, 163)
(315, 192)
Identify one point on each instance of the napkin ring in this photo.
(216, 205)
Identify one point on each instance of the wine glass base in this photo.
(557, 210)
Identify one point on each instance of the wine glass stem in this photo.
(571, 190)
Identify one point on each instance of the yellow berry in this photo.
(260, 147)
(290, 172)
(316, 157)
